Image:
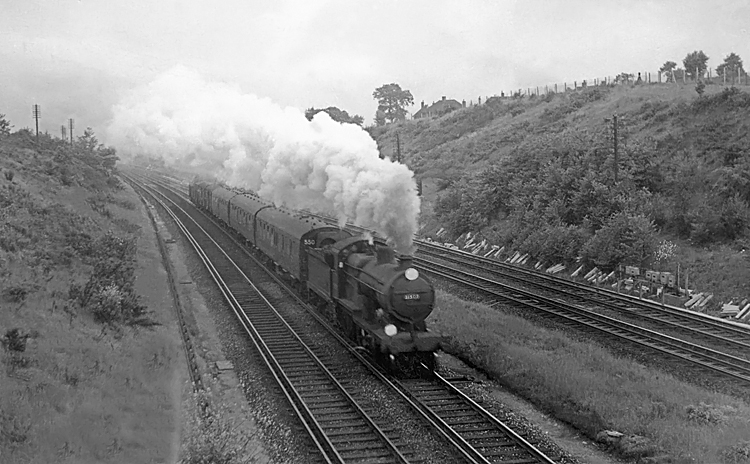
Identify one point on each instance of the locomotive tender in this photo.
(378, 299)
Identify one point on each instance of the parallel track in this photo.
(698, 325)
(718, 362)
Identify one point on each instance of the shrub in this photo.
(9, 175)
(14, 430)
(624, 238)
(109, 292)
(15, 293)
(705, 414)
(14, 340)
(737, 453)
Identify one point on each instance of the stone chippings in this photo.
(271, 413)
(520, 424)
(285, 440)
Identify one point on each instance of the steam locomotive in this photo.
(379, 300)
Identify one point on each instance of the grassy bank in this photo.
(85, 375)
(587, 387)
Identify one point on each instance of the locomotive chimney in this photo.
(384, 254)
(405, 262)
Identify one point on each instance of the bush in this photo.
(624, 239)
(9, 175)
(109, 292)
(705, 414)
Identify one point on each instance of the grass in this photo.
(77, 385)
(592, 390)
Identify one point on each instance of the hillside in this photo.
(537, 174)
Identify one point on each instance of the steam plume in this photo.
(251, 142)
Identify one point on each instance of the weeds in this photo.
(14, 430)
(15, 341)
(15, 293)
(706, 414)
(737, 453)
(213, 437)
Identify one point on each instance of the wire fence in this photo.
(675, 77)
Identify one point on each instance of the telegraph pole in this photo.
(70, 122)
(614, 123)
(614, 141)
(398, 148)
(37, 114)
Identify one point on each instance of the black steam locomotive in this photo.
(379, 299)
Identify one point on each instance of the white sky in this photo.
(75, 58)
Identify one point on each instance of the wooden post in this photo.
(555, 88)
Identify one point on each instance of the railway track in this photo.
(436, 402)
(340, 428)
(715, 361)
(715, 333)
(718, 332)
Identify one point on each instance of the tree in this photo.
(695, 64)
(88, 141)
(379, 117)
(667, 69)
(623, 78)
(392, 101)
(732, 63)
(335, 114)
(5, 126)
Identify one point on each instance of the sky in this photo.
(79, 58)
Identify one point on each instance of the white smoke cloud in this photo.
(251, 142)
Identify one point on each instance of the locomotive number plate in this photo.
(411, 296)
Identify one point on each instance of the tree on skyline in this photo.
(336, 114)
(667, 69)
(695, 64)
(732, 63)
(392, 101)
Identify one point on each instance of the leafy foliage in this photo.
(5, 126)
(695, 64)
(731, 65)
(109, 292)
(392, 101)
(624, 238)
(335, 114)
(667, 69)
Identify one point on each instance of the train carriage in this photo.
(243, 210)
(200, 194)
(284, 238)
(220, 199)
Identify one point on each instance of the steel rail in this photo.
(600, 295)
(728, 365)
(540, 281)
(468, 452)
(312, 425)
